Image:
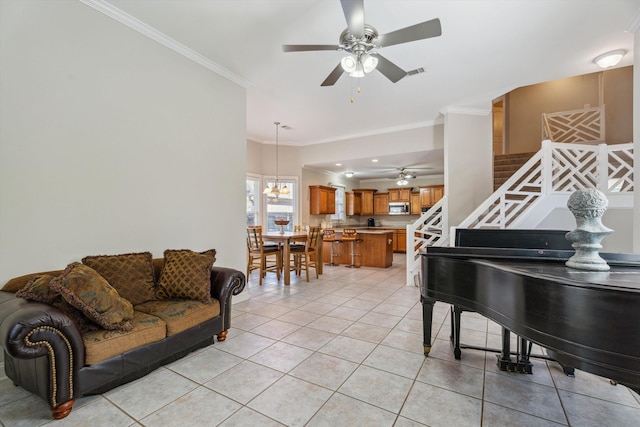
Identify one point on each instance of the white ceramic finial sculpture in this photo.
(588, 206)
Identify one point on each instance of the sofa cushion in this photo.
(82, 287)
(186, 274)
(180, 315)
(102, 344)
(130, 274)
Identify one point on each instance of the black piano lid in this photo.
(551, 265)
(612, 258)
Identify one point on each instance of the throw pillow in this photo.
(82, 287)
(129, 274)
(186, 274)
(37, 289)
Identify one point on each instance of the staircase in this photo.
(505, 165)
(543, 184)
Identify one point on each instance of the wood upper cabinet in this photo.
(366, 207)
(416, 206)
(381, 204)
(400, 194)
(354, 203)
(322, 200)
(430, 195)
(362, 201)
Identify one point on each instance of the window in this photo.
(340, 215)
(253, 200)
(283, 206)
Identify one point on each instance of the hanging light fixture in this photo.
(275, 190)
(358, 64)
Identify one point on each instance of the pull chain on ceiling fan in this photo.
(360, 40)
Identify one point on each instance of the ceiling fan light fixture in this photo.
(369, 62)
(349, 63)
(402, 181)
(609, 59)
(358, 72)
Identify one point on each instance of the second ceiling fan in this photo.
(360, 40)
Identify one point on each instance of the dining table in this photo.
(285, 239)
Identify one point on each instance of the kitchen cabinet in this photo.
(362, 201)
(354, 203)
(381, 204)
(416, 206)
(366, 207)
(399, 240)
(400, 194)
(322, 200)
(430, 195)
(374, 246)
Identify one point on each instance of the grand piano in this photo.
(586, 320)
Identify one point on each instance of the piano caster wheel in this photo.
(427, 349)
(613, 382)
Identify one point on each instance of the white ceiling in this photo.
(487, 48)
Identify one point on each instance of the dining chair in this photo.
(259, 255)
(307, 255)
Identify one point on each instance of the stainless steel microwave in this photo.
(399, 208)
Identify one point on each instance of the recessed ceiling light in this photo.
(348, 174)
(374, 161)
(338, 164)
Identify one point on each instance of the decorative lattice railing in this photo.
(585, 126)
(556, 169)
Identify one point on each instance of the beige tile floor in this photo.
(344, 350)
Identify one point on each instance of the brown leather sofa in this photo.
(44, 350)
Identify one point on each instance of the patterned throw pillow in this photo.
(186, 274)
(130, 274)
(38, 289)
(82, 287)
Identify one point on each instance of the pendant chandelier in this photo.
(275, 190)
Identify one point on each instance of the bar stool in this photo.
(351, 235)
(329, 235)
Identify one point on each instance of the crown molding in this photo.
(150, 32)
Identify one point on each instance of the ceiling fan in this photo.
(360, 40)
(403, 177)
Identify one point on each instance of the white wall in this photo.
(468, 162)
(619, 220)
(636, 138)
(111, 143)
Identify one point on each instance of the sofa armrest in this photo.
(30, 329)
(226, 282)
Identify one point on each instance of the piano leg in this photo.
(504, 359)
(455, 331)
(524, 365)
(427, 319)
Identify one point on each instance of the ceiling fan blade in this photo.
(354, 14)
(420, 31)
(389, 69)
(308, 47)
(333, 77)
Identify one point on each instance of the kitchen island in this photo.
(374, 246)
